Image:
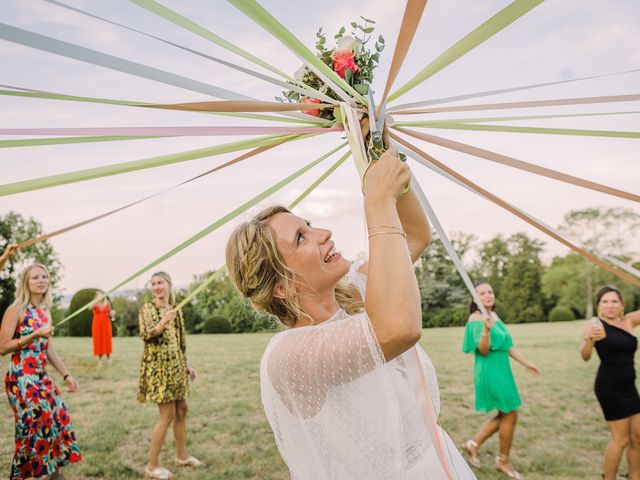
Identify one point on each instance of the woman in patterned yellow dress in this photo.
(165, 373)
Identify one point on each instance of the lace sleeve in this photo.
(306, 363)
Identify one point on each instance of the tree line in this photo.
(526, 289)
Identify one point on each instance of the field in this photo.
(560, 435)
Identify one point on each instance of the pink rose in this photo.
(315, 111)
(343, 59)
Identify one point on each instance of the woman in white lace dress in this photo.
(347, 392)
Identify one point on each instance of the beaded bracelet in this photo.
(384, 226)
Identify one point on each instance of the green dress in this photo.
(163, 370)
(492, 375)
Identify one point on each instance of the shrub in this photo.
(80, 325)
(217, 324)
(561, 314)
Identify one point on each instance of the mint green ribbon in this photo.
(203, 233)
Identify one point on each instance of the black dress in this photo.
(615, 385)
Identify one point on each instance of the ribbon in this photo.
(25, 92)
(59, 47)
(499, 91)
(148, 132)
(203, 233)
(632, 97)
(519, 164)
(222, 269)
(263, 18)
(612, 260)
(131, 166)
(60, 231)
(537, 130)
(410, 21)
(485, 193)
(502, 19)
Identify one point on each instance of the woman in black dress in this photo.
(615, 385)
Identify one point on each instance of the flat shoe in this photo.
(189, 462)
(159, 473)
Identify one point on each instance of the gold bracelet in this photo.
(388, 233)
(384, 226)
(20, 345)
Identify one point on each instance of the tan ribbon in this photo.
(60, 231)
(531, 221)
(233, 106)
(412, 15)
(512, 162)
(529, 104)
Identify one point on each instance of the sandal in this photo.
(159, 473)
(189, 462)
(474, 460)
(509, 472)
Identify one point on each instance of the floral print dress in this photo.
(163, 370)
(45, 440)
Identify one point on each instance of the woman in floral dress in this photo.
(165, 373)
(45, 440)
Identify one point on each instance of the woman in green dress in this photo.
(165, 373)
(489, 340)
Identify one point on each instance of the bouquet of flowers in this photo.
(350, 59)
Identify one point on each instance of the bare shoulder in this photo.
(475, 316)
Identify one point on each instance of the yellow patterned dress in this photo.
(163, 372)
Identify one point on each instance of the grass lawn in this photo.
(561, 433)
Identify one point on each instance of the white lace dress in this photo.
(338, 411)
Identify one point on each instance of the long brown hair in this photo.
(256, 267)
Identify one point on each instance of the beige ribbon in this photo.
(412, 15)
(592, 258)
(529, 104)
(519, 164)
(233, 106)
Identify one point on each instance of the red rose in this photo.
(342, 60)
(315, 111)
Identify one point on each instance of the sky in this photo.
(558, 40)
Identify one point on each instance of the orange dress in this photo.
(101, 330)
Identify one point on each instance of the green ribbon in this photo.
(537, 130)
(33, 142)
(428, 123)
(263, 18)
(500, 20)
(127, 103)
(134, 165)
(302, 196)
(217, 224)
(193, 27)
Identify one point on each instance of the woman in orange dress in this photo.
(101, 329)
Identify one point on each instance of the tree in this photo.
(221, 299)
(521, 293)
(443, 294)
(493, 263)
(603, 230)
(564, 284)
(14, 228)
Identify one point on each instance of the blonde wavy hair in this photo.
(165, 276)
(23, 294)
(256, 266)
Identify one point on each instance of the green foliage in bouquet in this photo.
(350, 59)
